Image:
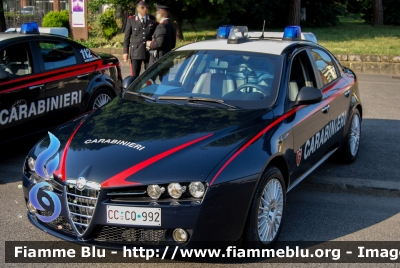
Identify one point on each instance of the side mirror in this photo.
(309, 95)
(4, 75)
(127, 81)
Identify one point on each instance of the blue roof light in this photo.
(29, 28)
(292, 33)
(223, 31)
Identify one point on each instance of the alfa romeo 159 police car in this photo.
(203, 146)
(47, 79)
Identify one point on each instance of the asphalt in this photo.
(357, 202)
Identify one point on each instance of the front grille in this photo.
(116, 234)
(81, 206)
(60, 224)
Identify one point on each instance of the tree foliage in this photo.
(108, 24)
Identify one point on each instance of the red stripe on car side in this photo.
(274, 123)
(62, 171)
(119, 179)
(54, 76)
(250, 142)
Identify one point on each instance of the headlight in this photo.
(31, 163)
(155, 191)
(175, 190)
(196, 189)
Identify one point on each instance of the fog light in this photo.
(180, 235)
(30, 207)
(196, 189)
(175, 190)
(155, 191)
(31, 163)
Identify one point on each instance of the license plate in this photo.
(134, 215)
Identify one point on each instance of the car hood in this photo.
(136, 142)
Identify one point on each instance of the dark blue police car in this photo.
(203, 146)
(47, 79)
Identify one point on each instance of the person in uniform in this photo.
(139, 29)
(164, 37)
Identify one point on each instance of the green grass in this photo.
(351, 36)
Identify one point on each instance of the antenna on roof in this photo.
(262, 35)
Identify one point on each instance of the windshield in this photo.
(27, 9)
(245, 80)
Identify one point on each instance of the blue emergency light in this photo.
(223, 31)
(292, 33)
(29, 28)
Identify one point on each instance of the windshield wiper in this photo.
(195, 99)
(141, 95)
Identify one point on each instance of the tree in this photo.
(127, 7)
(3, 26)
(294, 12)
(377, 8)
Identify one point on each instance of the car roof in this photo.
(266, 46)
(7, 36)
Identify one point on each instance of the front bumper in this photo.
(219, 219)
(100, 233)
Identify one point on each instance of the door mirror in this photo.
(4, 75)
(309, 95)
(127, 82)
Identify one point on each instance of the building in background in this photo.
(20, 11)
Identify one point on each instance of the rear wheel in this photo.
(100, 98)
(265, 219)
(349, 150)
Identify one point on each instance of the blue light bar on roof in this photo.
(223, 31)
(29, 28)
(292, 33)
(238, 34)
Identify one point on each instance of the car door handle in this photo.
(82, 76)
(326, 109)
(38, 87)
(347, 93)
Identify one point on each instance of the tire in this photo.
(351, 145)
(100, 98)
(256, 233)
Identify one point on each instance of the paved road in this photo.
(311, 215)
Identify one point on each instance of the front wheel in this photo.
(349, 150)
(265, 219)
(99, 99)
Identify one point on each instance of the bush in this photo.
(56, 19)
(108, 24)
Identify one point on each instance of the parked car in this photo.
(32, 10)
(202, 147)
(46, 80)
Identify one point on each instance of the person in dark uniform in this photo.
(164, 37)
(139, 29)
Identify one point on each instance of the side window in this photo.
(301, 75)
(15, 60)
(325, 66)
(56, 55)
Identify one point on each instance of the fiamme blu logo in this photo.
(46, 163)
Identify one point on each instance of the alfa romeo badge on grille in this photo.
(81, 184)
